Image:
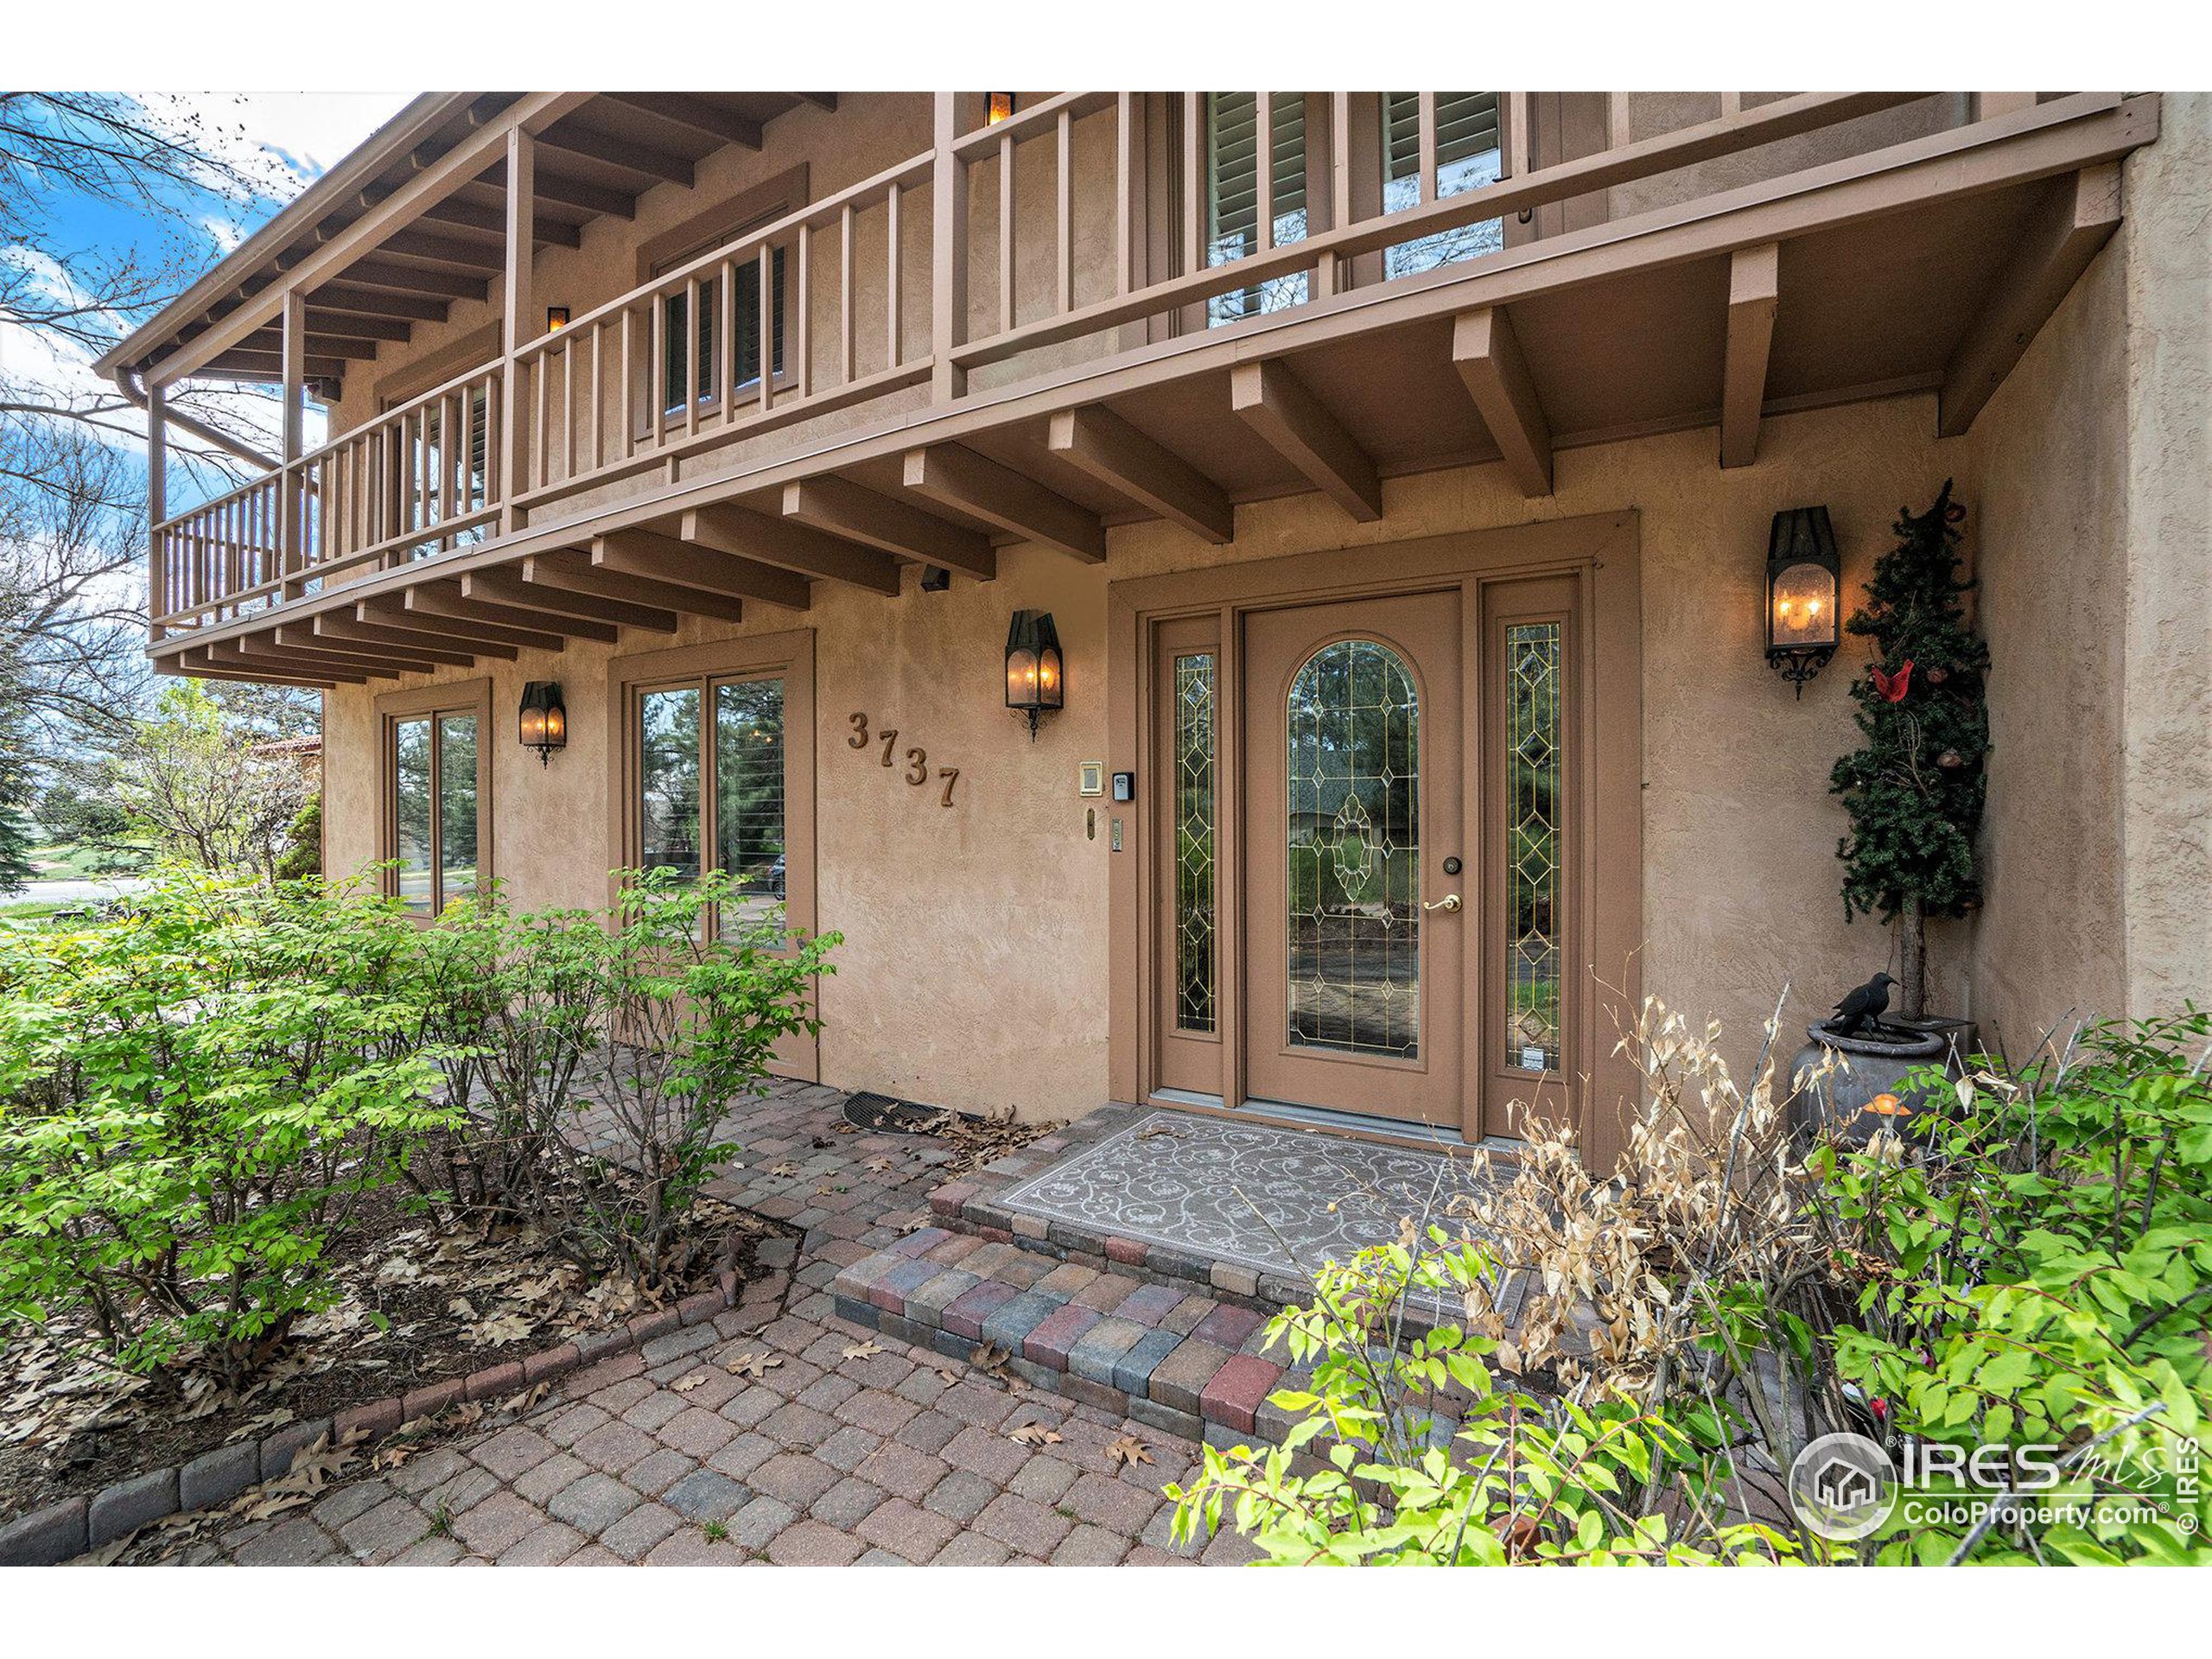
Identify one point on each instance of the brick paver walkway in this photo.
(662, 1456)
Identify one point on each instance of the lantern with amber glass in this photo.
(544, 719)
(1802, 577)
(1034, 682)
(997, 107)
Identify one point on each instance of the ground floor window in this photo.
(436, 795)
(717, 770)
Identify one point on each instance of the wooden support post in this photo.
(157, 508)
(291, 521)
(518, 298)
(948, 254)
(1753, 291)
(1488, 357)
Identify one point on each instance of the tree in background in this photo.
(1913, 788)
(199, 785)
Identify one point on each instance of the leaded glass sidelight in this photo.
(1353, 840)
(1532, 829)
(1194, 842)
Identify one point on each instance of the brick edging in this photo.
(63, 1531)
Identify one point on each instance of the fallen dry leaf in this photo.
(685, 1384)
(863, 1349)
(1035, 1434)
(989, 1358)
(753, 1364)
(785, 1169)
(1128, 1450)
(529, 1397)
(878, 1163)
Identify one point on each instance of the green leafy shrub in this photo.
(189, 1125)
(2029, 1278)
(2040, 1273)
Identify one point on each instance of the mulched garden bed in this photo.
(419, 1309)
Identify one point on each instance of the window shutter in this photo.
(1468, 154)
(1233, 192)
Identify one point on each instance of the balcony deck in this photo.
(549, 494)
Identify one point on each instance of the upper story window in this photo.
(1233, 195)
(1469, 154)
(703, 383)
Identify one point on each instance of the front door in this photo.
(1389, 839)
(1356, 856)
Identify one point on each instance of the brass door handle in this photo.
(1450, 901)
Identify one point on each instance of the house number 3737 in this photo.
(916, 767)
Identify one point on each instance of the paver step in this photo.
(1173, 1358)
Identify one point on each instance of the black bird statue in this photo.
(1862, 1008)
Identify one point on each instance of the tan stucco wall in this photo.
(974, 968)
(975, 971)
(2091, 471)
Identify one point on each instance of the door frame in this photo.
(1601, 552)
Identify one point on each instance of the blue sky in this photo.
(287, 138)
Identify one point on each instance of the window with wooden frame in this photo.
(716, 771)
(1470, 153)
(1232, 215)
(435, 793)
(692, 374)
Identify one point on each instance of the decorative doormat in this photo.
(1276, 1200)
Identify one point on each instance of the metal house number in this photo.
(916, 769)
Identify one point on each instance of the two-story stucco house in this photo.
(1394, 471)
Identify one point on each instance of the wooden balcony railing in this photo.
(711, 352)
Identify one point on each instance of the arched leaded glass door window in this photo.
(1352, 839)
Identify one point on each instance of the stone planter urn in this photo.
(1867, 1092)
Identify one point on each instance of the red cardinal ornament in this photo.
(1893, 686)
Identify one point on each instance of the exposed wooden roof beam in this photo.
(842, 508)
(220, 665)
(443, 250)
(534, 587)
(1487, 354)
(302, 636)
(253, 648)
(337, 626)
(1754, 288)
(1275, 403)
(350, 325)
(664, 559)
(571, 571)
(2075, 218)
(376, 303)
(955, 476)
(1109, 449)
(338, 343)
(413, 279)
(271, 362)
(491, 638)
(451, 600)
(622, 153)
(694, 114)
(475, 216)
(574, 192)
(790, 545)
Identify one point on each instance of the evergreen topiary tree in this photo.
(1913, 789)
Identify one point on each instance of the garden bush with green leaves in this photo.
(197, 1099)
(188, 1127)
(2029, 1277)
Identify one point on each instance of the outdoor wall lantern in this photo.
(1033, 681)
(556, 318)
(544, 719)
(1803, 576)
(997, 107)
